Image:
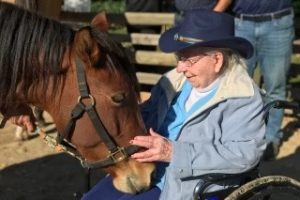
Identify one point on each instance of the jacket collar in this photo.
(235, 82)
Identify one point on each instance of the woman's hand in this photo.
(158, 148)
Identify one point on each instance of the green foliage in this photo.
(110, 6)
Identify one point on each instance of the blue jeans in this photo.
(104, 190)
(272, 41)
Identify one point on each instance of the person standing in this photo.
(216, 5)
(268, 25)
(184, 6)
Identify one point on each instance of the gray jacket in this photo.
(226, 135)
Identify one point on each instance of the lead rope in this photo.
(53, 144)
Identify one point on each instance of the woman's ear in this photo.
(219, 60)
(86, 47)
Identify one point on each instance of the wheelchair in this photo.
(252, 186)
(259, 188)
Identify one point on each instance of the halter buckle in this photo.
(118, 155)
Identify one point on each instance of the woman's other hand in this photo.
(24, 121)
(20, 115)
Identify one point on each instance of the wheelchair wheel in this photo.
(268, 188)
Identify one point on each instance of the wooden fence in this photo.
(150, 64)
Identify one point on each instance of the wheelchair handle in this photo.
(280, 104)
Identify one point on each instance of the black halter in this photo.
(117, 153)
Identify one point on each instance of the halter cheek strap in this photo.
(117, 153)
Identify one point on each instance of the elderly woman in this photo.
(204, 117)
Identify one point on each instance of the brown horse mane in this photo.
(32, 51)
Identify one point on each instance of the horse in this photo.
(85, 81)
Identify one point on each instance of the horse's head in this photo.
(113, 87)
(109, 105)
(85, 81)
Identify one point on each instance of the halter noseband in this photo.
(116, 154)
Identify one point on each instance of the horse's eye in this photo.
(119, 98)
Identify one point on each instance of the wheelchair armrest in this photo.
(215, 178)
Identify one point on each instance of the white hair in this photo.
(231, 58)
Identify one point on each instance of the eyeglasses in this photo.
(189, 62)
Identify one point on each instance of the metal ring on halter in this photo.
(80, 98)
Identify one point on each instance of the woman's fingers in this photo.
(157, 147)
(146, 143)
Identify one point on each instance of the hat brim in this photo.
(168, 44)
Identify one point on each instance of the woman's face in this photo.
(200, 67)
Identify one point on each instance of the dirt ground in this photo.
(30, 170)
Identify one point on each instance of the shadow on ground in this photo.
(52, 177)
(288, 166)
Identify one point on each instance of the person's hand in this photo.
(24, 121)
(157, 147)
(20, 115)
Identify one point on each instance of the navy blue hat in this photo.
(204, 28)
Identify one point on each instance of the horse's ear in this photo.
(100, 21)
(86, 47)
